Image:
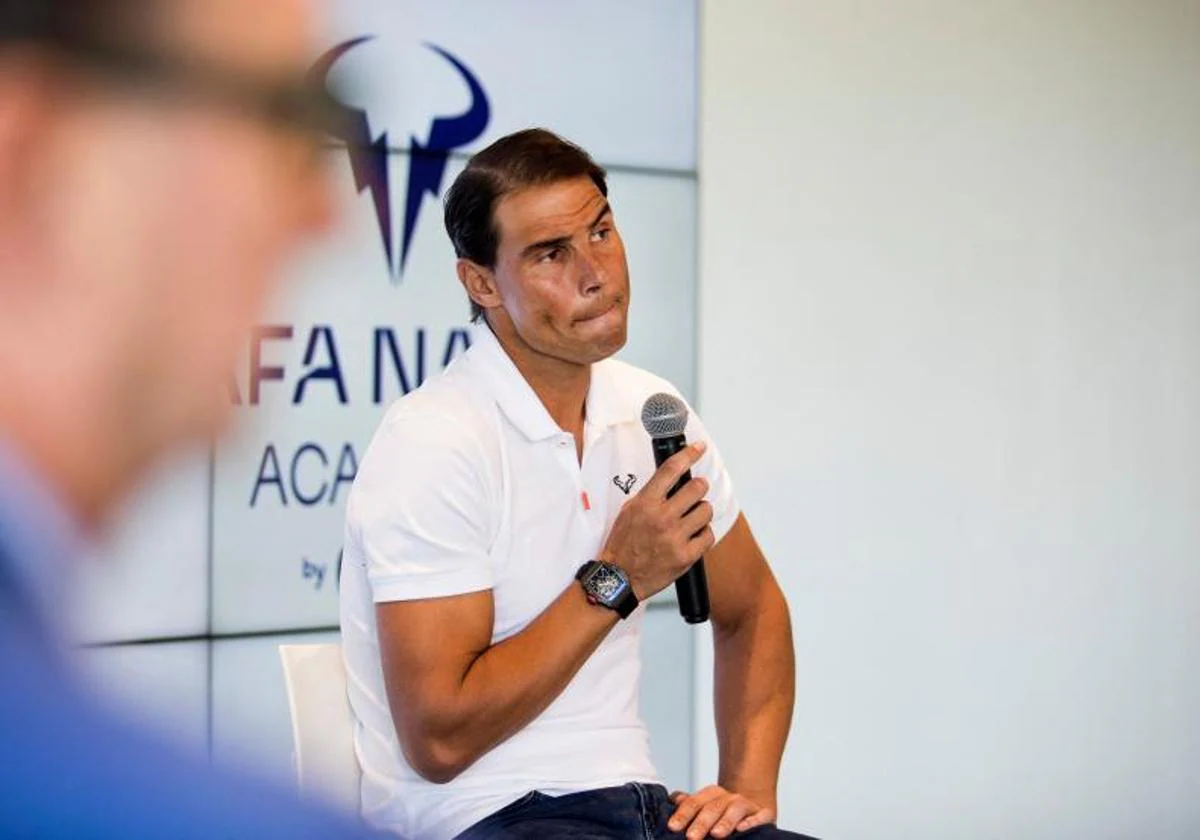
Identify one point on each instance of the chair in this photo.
(322, 723)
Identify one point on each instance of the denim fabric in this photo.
(631, 812)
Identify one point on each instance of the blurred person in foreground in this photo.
(157, 165)
(494, 677)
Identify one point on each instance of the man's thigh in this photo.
(631, 812)
(763, 832)
(606, 814)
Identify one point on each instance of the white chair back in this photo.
(322, 723)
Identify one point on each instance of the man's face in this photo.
(561, 271)
(173, 216)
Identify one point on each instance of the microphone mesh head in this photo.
(664, 415)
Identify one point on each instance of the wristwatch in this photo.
(608, 586)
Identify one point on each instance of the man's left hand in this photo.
(716, 812)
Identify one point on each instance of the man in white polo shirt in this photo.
(493, 674)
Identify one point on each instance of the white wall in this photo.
(950, 257)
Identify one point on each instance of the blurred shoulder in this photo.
(73, 768)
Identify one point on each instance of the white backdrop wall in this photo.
(950, 345)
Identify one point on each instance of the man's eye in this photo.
(550, 255)
(601, 235)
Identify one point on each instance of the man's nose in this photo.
(592, 275)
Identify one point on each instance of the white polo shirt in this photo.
(469, 485)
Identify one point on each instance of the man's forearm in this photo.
(755, 688)
(510, 683)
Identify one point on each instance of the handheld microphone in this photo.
(665, 418)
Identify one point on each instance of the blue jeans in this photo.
(631, 812)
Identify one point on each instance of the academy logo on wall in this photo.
(427, 158)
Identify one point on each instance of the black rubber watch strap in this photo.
(628, 604)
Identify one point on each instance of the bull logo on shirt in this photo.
(625, 484)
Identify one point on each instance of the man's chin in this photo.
(606, 346)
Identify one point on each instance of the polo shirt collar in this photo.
(605, 405)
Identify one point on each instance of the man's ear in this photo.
(479, 283)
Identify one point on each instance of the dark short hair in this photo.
(66, 24)
(527, 158)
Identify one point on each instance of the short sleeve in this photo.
(712, 467)
(418, 518)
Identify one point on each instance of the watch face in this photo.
(607, 585)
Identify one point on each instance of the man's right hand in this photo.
(655, 539)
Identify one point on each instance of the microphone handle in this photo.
(691, 588)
